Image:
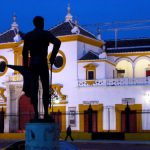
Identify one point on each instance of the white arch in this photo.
(123, 58)
(127, 65)
(141, 65)
(141, 57)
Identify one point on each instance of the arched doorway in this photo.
(26, 111)
(142, 67)
(124, 69)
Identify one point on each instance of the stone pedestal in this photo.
(42, 136)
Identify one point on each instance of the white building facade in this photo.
(88, 72)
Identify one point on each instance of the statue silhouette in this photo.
(36, 45)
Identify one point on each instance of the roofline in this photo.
(6, 31)
(81, 38)
(97, 60)
(55, 26)
(129, 54)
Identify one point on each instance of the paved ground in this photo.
(112, 145)
(100, 145)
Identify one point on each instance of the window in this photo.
(120, 73)
(90, 71)
(90, 75)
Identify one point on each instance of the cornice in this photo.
(10, 45)
(81, 38)
(97, 60)
(129, 54)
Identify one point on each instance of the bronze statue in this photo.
(36, 44)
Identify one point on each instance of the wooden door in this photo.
(93, 121)
(57, 116)
(132, 121)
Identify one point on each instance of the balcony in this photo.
(115, 82)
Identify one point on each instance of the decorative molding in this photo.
(10, 45)
(97, 60)
(57, 88)
(99, 109)
(130, 54)
(64, 62)
(121, 107)
(4, 59)
(81, 38)
(2, 90)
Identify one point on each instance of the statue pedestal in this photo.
(40, 136)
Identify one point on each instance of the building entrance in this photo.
(132, 121)
(90, 121)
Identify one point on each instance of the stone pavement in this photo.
(99, 144)
(112, 145)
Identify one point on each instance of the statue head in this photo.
(38, 22)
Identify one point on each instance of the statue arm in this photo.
(56, 45)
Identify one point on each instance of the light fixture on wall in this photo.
(147, 97)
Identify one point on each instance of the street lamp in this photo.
(55, 98)
(147, 97)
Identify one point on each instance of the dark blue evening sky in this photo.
(88, 12)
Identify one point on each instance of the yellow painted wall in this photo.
(121, 107)
(98, 108)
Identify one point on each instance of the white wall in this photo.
(109, 71)
(8, 54)
(83, 48)
(109, 96)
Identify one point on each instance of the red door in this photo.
(26, 111)
(132, 121)
(147, 73)
(57, 116)
(94, 121)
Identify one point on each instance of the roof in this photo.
(65, 28)
(89, 56)
(9, 35)
(128, 42)
(128, 45)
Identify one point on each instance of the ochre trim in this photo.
(81, 38)
(10, 45)
(141, 57)
(61, 109)
(121, 107)
(17, 57)
(57, 88)
(2, 90)
(97, 60)
(123, 58)
(129, 54)
(2, 57)
(90, 67)
(64, 62)
(98, 108)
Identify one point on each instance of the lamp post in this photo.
(55, 100)
(54, 97)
